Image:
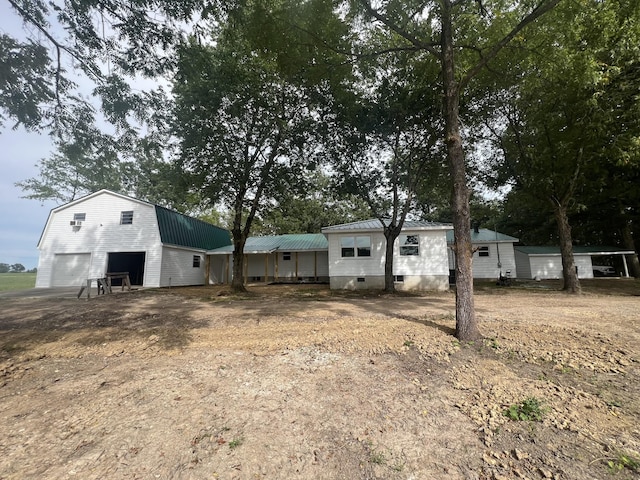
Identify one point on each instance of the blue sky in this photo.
(21, 220)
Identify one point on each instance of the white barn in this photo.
(546, 262)
(493, 253)
(109, 232)
(289, 258)
(357, 256)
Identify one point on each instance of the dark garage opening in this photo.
(132, 262)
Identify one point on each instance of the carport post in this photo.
(624, 262)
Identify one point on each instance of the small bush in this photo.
(529, 410)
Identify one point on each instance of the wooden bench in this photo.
(104, 283)
(124, 276)
(101, 283)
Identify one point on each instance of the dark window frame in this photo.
(126, 217)
(406, 248)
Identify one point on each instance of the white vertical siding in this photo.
(100, 234)
(178, 269)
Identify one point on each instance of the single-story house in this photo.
(357, 256)
(546, 262)
(493, 253)
(109, 232)
(278, 258)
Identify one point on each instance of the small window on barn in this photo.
(286, 255)
(79, 217)
(409, 245)
(398, 278)
(360, 279)
(196, 261)
(126, 217)
(483, 251)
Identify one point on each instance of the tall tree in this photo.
(462, 38)
(391, 146)
(243, 127)
(562, 127)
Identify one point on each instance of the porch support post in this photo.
(626, 268)
(266, 268)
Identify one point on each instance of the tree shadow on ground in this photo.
(132, 317)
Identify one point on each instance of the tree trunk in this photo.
(237, 283)
(466, 322)
(390, 235)
(629, 244)
(389, 286)
(569, 271)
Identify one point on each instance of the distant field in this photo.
(17, 281)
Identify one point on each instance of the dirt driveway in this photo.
(299, 383)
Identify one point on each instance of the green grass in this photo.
(16, 281)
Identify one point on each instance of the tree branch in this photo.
(400, 31)
(541, 9)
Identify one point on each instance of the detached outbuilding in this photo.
(546, 262)
(109, 232)
(357, 256)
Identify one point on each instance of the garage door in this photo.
(70, 269)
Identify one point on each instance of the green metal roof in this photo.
(376, 224)
(181, 230)
(304, 242)
(484, 235)
(577, 250)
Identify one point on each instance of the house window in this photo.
(398, 278)
(483, 251)
(286, 255)
(409, 245)
(196, 261)
(355, 246)
(79, 217)
(126, 217)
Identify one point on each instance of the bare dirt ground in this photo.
(301, 383)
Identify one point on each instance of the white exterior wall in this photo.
(220, 269)
(178, 269)
(100, 234)
(523, 265)
(549, 267)
(428, 271)
(356, 266)
(487, 267)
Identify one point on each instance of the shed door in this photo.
(70, 269)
